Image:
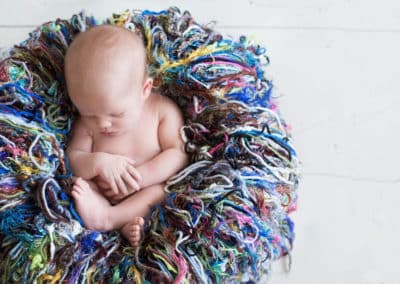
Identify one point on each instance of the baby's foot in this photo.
(91, 206)
(133, 230)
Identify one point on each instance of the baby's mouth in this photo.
(109, 133)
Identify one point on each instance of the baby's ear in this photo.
(147, 87)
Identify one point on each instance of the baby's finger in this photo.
(113, 185)
(121, 186)
(130, 181)
(131, 161)
(135, 173)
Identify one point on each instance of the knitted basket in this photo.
(224, 218)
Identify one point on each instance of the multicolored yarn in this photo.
(225, 216)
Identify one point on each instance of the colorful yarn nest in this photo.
(225, 216)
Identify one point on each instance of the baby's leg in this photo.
(98, 214)
(94, 209)
(135, 207)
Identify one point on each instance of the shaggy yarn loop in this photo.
(224, 218)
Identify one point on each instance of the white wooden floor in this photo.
(337, 67)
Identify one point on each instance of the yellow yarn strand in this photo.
(207, 50)
(53, 278)
(138, 276)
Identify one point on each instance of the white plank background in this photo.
(336, 67)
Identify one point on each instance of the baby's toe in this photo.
(138, 221)
(75, 194)
(76, 189)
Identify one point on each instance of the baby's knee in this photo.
(157, 192)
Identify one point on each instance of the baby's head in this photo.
(106, 77)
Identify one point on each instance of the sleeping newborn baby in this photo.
(125, 143)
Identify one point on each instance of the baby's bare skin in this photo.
(126, 142)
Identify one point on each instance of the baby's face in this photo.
(105, 76)
(110, 109)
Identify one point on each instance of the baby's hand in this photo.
(114, 198)
(118, 171)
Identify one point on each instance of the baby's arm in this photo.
(173, 157)
(118, 171)
(79, 152)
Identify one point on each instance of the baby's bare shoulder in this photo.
(81, 137)
(170, 124)
(167, 107)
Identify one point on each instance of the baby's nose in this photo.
(105, 123)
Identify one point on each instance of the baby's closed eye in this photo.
(120, 114)
(88, 117)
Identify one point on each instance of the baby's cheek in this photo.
(126, 123)
(88, 124)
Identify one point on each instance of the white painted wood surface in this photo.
(336, 67)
